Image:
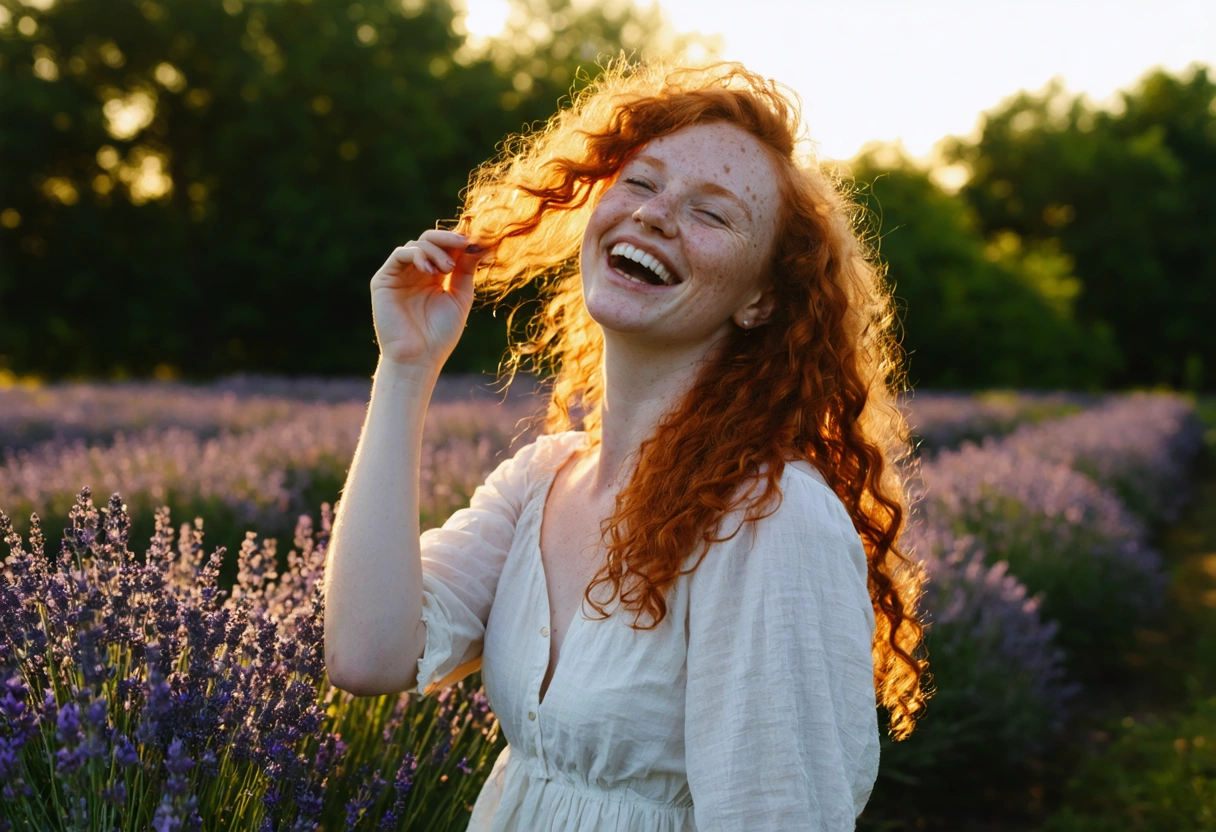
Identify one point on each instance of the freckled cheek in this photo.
(608, 210)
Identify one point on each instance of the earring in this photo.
(746, 323)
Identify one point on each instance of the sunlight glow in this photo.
(486, 18)
(880, 70)
(170, 77)
(145, 173)
(61, 190)
(126, 116)
(886, 70)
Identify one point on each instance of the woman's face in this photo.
(677, 249)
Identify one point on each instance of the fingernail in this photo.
(473, 248)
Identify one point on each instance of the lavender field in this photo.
(171, 677)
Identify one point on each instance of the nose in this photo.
(656, 213)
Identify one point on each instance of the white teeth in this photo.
(649, 261)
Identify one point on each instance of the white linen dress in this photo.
(750, 707)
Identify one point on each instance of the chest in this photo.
(583, 681)
(572, 552)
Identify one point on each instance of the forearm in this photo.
(373, 575)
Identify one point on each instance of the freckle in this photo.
(726, 168)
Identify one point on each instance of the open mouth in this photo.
(639, 266)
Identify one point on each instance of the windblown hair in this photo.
(817, 382)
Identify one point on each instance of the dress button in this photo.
(532, 715)
(544, 631)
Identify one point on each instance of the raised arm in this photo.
(374, 633)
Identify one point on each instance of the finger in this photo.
(424, 257)
(437, 256)
(403, 257)
(467, 260)
(444, 239)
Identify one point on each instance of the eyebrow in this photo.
(708, 187)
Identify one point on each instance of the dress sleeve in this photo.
(461, 563)
(781, 729)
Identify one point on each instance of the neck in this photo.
(641, 385)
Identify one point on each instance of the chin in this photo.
(616, 317)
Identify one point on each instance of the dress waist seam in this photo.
(621, 793)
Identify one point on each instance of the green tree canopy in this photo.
(1128, 193)
(975, 312)
(210, 185)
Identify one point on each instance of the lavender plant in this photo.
(95, 412)
(1062, 535)
(137, 695)
(1000, 679)
(1139, 446)
(940, 420)
(265, 474)
(140, 696)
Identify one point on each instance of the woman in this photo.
(686, 611)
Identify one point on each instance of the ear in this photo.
(757, 310)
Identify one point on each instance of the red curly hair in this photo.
(817, 382)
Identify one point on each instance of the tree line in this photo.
(197, 188)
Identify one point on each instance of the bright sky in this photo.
(918, 71)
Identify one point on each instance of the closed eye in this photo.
(633, 180)
(714, 216)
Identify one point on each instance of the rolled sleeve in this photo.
(461, 564)
(781, 727)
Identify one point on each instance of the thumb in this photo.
(463, 272)
(460, 287)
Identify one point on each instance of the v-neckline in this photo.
(542, 696)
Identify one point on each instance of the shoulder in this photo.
(808, 543)
(807, 506)
(550, 451)
(533, 462)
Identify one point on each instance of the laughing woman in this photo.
(686, 598)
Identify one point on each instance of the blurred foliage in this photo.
(1127, 193)
(1158, 775)
(201, 187)
(1152, 763)
(195, 188)
(975, 312)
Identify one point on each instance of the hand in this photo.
(418, 310)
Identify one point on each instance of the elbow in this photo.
(341, 675)
(358, 681)
(358, 685)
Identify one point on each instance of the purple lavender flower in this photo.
(940, 420)
(331, 751)
(68, 761)
(402, 784)
(125, 753)
(1000, 678)
(156, 716)
(95, 714)
(1062, 535)
(67, 726)
(227, 683)
(166, 819)
(115, 794)
(1139, 446)
(10, 758)
(12, 703)
(368, 794)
